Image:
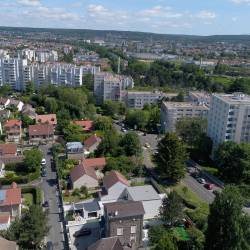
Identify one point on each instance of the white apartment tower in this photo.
(108, 86)
(171, 112)
(229, 118)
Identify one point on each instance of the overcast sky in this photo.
(199, 17)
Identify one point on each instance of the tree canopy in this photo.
(32, 159)
(171, 157)
(226, 223)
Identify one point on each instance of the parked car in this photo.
(43, 162)
(45, 204)
(209, 186)
(44, 173)
(82, 232)
(196, 175)
(50, 245)
(201, 181)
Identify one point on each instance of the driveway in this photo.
(49, 187)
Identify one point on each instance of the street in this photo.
(49, 187)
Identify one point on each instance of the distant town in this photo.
(123, 140)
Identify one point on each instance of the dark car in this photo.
(50, 245)
(45, 204)
(44, 173)
(82, 232)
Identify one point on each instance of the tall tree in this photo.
(73, 132)
(233, 160)
(171, 157)
(226, 223)
(172, 209)
(51, 105)
(167, 242)
(30, 230)
(131, 144)
(32, 159)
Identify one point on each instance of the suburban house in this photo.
(16, 103)
(114, 183)
(41, 133)
(11, 200)
(124, 219)
(4, 221)
(8, 245)
(84, 210)
(111, 243)
(4, 114)
(74, 150)
(82, 175)
(4, 102)
(91, 144)
(150, 199)
(86, 125)
(13, 130)
(96, 163)
(8, 150)
(29, 111)
(47, 119)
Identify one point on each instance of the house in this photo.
(114, 183)
(91, 144)
(86, 125)
(111, 243)
(4, 102)
(10, 200)
(16, 103)
(13, 130)
(124, 219)
(150, 199)
(96, 163)
(29, 111)
(74, 150)
(47, 119)
(4, 114)
(7, 245)
(8, 150)
(41, 133)
(82, 175)
(4, 221)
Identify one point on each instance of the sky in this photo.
(192, 17)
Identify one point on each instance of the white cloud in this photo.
(234, 19)
(241, 1)
(31, 3)
(205, 14)
(160, 11)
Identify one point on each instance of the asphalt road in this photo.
(49, 187)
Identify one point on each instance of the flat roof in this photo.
(185, 105)
(143, 193)
(237, 98)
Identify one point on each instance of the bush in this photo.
(35, 191)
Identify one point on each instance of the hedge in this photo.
(35, 191)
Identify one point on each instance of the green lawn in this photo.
(28, 199)
(226, 81)
(75, 198)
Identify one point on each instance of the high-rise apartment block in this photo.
(171, 112)
(229, 118)
(108, 86)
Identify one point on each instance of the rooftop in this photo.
(81, 170)
(123, 209)
(111, 243)
(13, 122)
(72, 145)
(49, 118)
(112, 178)
(86, 124)
(143, 193)
(94, 162)
(235, 98)
(92, 140)
(8, 149)
(11, 196)
(41, 129)
(172, 105)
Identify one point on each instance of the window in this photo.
(133, 238)
(119, 231)
(133, 229)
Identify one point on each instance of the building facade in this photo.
(229, 118)
(171, 112)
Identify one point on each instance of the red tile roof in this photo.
(41, 129)
(92, 140)
(13, 122)
(94, 162)
(8, 149)
(81, 170)
(49, 118)
(4, 218)
(112, 178)
(87, 125)
(12, 196)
